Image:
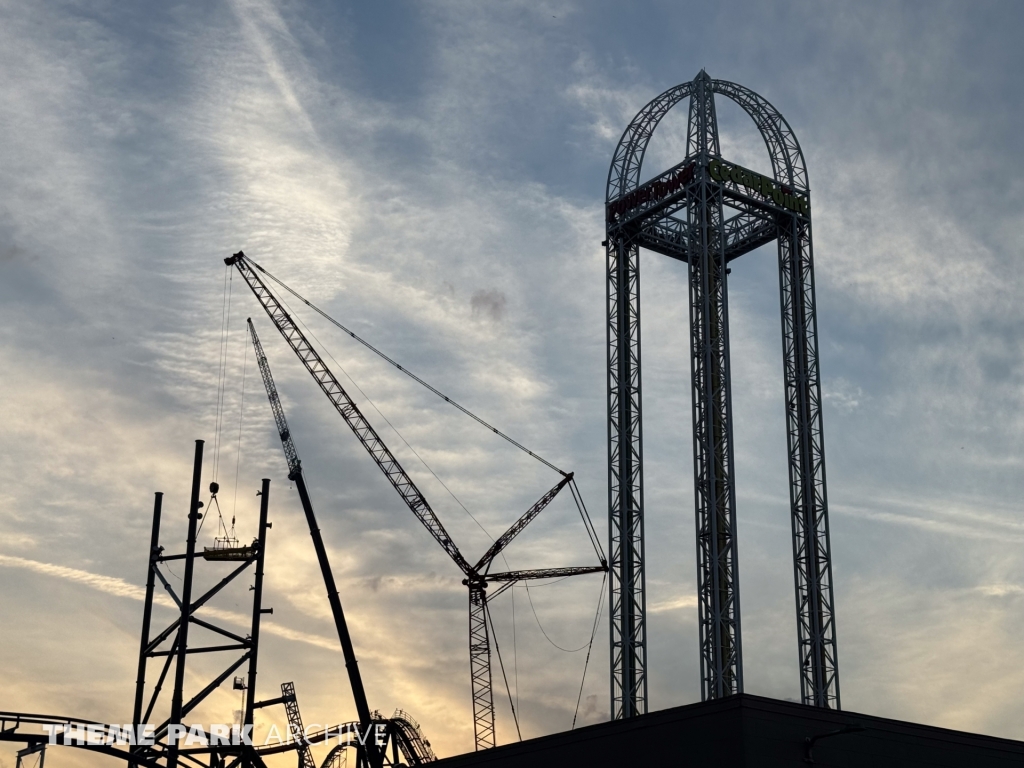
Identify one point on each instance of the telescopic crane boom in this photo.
(295, 475)
(476, 576)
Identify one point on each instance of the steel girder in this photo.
(744, 232)
(686, 221)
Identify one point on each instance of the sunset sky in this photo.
(433, 175)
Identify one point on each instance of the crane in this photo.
(295, 475)
(478, 575)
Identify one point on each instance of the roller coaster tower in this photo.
(706, 211)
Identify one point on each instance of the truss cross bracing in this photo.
(682, 213)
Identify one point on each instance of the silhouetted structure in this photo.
(706, 212)
(744, 731)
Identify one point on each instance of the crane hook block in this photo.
(214, 487)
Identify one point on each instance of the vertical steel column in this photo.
(714, 481)
(480, 668)
(38, 748)
(147, 609)
(186, 604)
(819, 679)
(147, 612)
(257, 603)
(628, 624)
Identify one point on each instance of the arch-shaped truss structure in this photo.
(681, 213)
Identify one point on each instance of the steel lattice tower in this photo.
(681, 213)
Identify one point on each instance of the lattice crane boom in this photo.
(345, 406)
(290, 454)
(291, 706)
(295, 475)
(517, 527)
(546, 573)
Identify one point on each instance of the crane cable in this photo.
(593, 634)
(241, 411)
(589, 646)
(222, 372)
(501, 664)
(577, 496)
(540, 626)
(386, 419)
(406, 371)
(587, 522)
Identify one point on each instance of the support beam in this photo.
(177, 697)
(147, 612)
(714, 479)
(257, 604)
(628, 643)
(819, 675)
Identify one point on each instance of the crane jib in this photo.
(348, 410)
(291, 455)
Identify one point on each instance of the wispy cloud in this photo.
(434, 176)
(683, 601)
(120, 588)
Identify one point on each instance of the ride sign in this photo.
(778, 193)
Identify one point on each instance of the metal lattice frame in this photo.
(480, 668)
(681, 214)
(625, 487)
(298, 732)
(714, 481)
(819, 671)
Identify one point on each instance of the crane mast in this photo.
(290, 454)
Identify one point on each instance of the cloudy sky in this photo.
(432, 174)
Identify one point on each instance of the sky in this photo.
(432, 175)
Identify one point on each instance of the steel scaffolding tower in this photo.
(707, 211)
(155, 645)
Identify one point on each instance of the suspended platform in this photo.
(229, 553)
